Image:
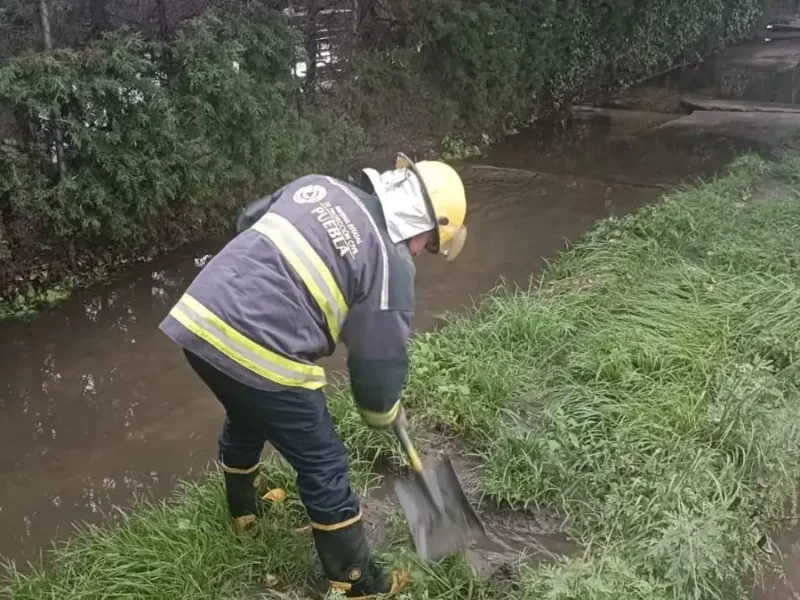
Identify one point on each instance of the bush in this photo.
(475, 51)
(163, 143)
(123, 150)
(151, 136)
(503, 59)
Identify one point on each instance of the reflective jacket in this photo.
(313, 265)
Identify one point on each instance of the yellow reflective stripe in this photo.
(380, 419)
(309, 266)
(235, 471)
(209, 327)
(235, 336)
(342, 586)
(337, 526)
(219, 344)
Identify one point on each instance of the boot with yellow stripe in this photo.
(346, 560)
(241, 491)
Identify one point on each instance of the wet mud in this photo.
(97, 407)
(783, 581)
(531, 536)
(513, 537)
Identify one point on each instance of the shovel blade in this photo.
(439, 514)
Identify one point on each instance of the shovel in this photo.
(439, 515)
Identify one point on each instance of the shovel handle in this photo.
(413, 457)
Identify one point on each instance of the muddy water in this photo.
(97, 406)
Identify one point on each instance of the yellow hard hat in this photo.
(446, 200)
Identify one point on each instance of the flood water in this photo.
(97, 407)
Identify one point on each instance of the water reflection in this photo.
(86, 408)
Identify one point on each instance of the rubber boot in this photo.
(241, 490)
(346, 560)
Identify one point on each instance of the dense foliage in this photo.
(502, 59)
(162, 140)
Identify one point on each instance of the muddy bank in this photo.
(782, 582)
(531, 537)
(513, 537)
(759, 71)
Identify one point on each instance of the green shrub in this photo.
(142, 147)
(475, 51)
(499, 61)
(162, 144)
(123, 150)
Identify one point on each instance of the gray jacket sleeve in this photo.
(377, 342)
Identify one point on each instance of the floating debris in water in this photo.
(202, 261)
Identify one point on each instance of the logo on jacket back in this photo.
(310, 194)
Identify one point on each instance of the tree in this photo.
(47, 40)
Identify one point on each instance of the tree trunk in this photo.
(163, 21)
(44, 20)
(47, 40)
(354, 31)
(367, 19)
(98, 14)
(312, 10)
(163, 34)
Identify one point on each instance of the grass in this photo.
(646, 387)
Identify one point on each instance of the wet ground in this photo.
(513, 537)
(97, 406)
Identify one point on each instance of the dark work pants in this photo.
(297, 424)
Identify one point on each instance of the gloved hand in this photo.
(385, 421)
